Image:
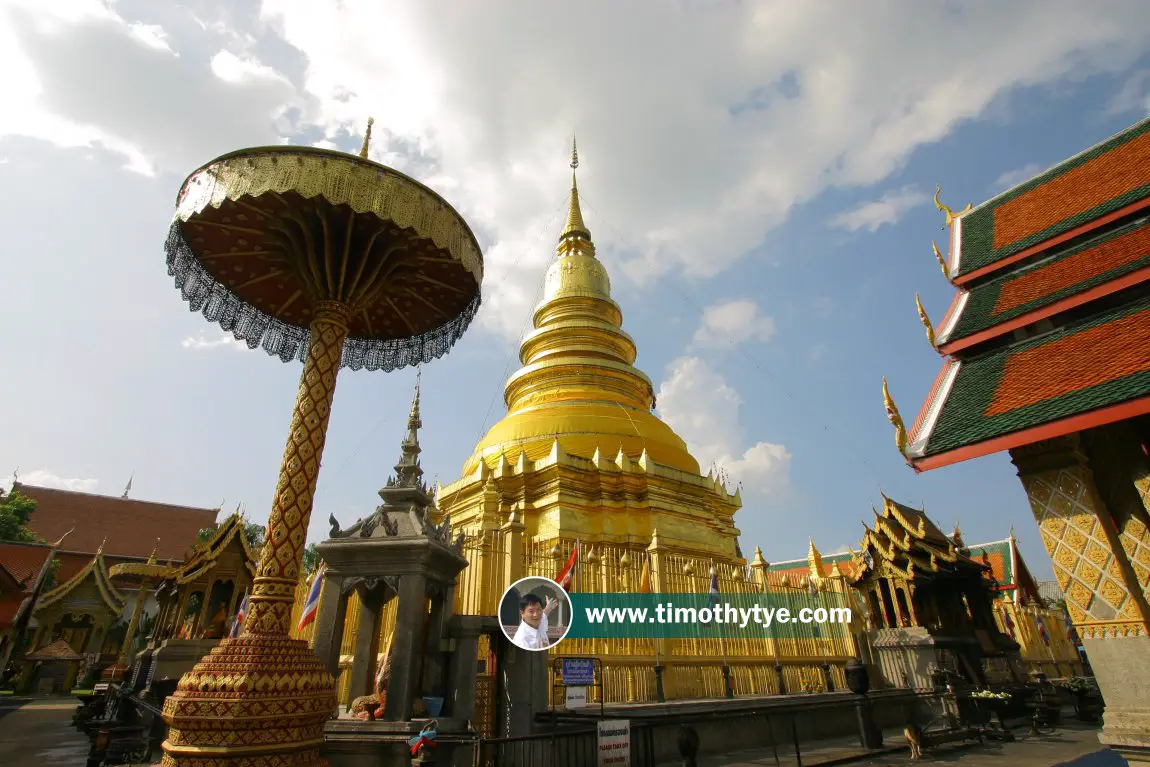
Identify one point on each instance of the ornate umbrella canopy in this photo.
(261, 235)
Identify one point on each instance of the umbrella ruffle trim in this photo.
(257, 329)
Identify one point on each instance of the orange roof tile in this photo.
(1079, 361)
(23, 561)
(1087, 186)
(1068, 272)
(128, 527)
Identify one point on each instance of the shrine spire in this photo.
(408, 472)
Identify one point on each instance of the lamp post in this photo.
(858, 681)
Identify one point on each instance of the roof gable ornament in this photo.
(892, 415)
(926, 323)
(941, 261)
(950, 214)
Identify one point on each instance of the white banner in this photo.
(576, 697)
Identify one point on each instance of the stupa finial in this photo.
(366, 138)
(408, 472)
(575, 225)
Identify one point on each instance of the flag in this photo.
(567, 574)
(1006, 621)
(645, 577)
(311, 606)
(1042, 629)
(713, 592)
(238, 621)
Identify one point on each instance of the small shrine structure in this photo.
(928, 603)
(394, 553)
(198, 599)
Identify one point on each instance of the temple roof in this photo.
(578, 385)
(21, 565)
(1085, 374)
(97, 570)
(58, 650)
(205, 555)
(910, 544)
(1109, 178)
(1007, 567)
(129, 526)
(1016, 298)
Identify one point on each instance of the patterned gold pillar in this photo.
(262, 698)
(1091, 558)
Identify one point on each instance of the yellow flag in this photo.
(645, 577)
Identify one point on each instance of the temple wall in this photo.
(1055, 656)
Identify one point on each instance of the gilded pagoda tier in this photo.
(578, 384)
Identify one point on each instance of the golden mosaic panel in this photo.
(1097, 553)
(1113, 593)
(1066, 558)
(1079, 594)
(1089, 574)
(1075, 540)
(1038, 489)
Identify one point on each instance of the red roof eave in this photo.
(1133, 207)
(1075, 423)
(1070, 302)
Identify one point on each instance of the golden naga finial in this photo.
(950, 214)
(155, 552)
(366, 138)
(900, 438)
(925, 321)
(941, 261)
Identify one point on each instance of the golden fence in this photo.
(1056, 655)
(693, 667)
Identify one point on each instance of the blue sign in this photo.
(578, 672)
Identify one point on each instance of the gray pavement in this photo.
(38, 732)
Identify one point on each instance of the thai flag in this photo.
(311, 606)
(713, 592)
(567, 574)
(1042, 630)
(238, 621)
(1008, 623)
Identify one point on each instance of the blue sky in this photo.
(756, 176)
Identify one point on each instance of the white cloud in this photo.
(222, 341)
(701, 129)
(46, 478)
(732, 322)
(888, 209)
(1134, 96)
(704, 409)
(152, 35)
(1013, 178)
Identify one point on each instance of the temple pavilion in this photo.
(1046, 355)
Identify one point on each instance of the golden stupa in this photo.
(580, 452)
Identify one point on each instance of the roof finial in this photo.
(155, 553)
(59, 541)
(941, 261)
(950, 214)
(926, 323)
(100, 551)
(366, 138)
(408, 472)
(575, 225)
(128, 487)
(15, 476)
(895, 419)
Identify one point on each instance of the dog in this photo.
(913, 735)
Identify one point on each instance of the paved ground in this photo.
(1069, 746)
(38, 733)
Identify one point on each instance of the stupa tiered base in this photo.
(258, 700)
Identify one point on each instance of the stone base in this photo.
(904, 657)
(355, 743)
(1122, 668)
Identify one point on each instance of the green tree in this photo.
(311, 559)
(255, 534)
(15, 511)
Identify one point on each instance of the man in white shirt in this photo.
(532, 631)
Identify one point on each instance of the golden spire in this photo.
(950, 214)
(925, 321)
(575, 225)
(814, 560)
(155, 551)
(366, 138)
(941, 261)
(900, 438)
